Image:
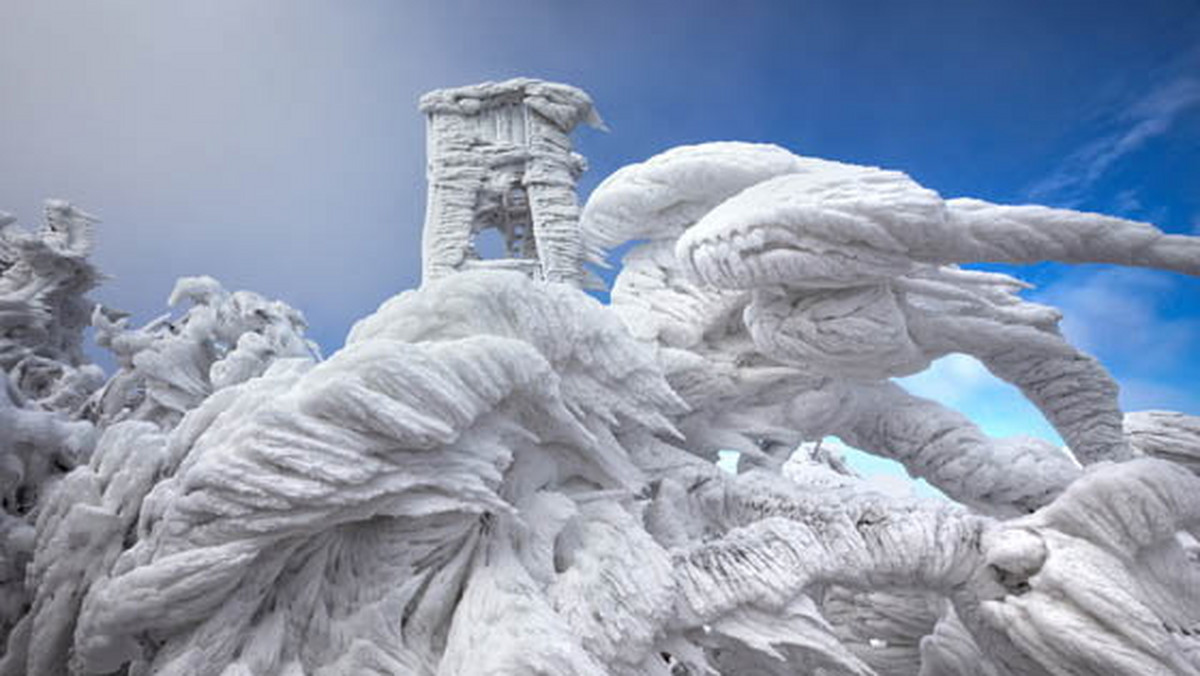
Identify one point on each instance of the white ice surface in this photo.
(503, 476)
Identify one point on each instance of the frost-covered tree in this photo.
(499, 474)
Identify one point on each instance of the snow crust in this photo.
(500, 475)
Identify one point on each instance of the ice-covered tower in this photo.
(499, 157)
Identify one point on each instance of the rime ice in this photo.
(500, 475)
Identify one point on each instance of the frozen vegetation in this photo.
(498, 474)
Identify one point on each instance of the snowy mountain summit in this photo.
(500, 475)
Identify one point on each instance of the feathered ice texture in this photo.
(782, 292)
(171, 365)
(369, 510)
(1166, 434)
(43, 278)
(51, 403)
(499, 475)
(818, 281)
(44, 379)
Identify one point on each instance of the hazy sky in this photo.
(275, 144)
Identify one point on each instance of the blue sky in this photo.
(275, 144)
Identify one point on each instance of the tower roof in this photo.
(563, 105)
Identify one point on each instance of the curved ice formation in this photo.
(1166, 434)
(171, 365)
(44, 377)
(845, 273)
(501, 475)
(44, 277)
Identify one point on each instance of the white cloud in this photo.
(953, 380)
(1146, 118)
(1125, 318)
(964, 384)
(1128, 202)
(1119, 314)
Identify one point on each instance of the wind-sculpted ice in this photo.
(171, 365)
(77, 454)
(802, 285)
(1166, 434)
(44, 377)
(43, 311)
(501, 475)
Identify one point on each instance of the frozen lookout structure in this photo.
(499, 158)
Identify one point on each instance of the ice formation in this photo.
(499, 474)
(500, 158)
